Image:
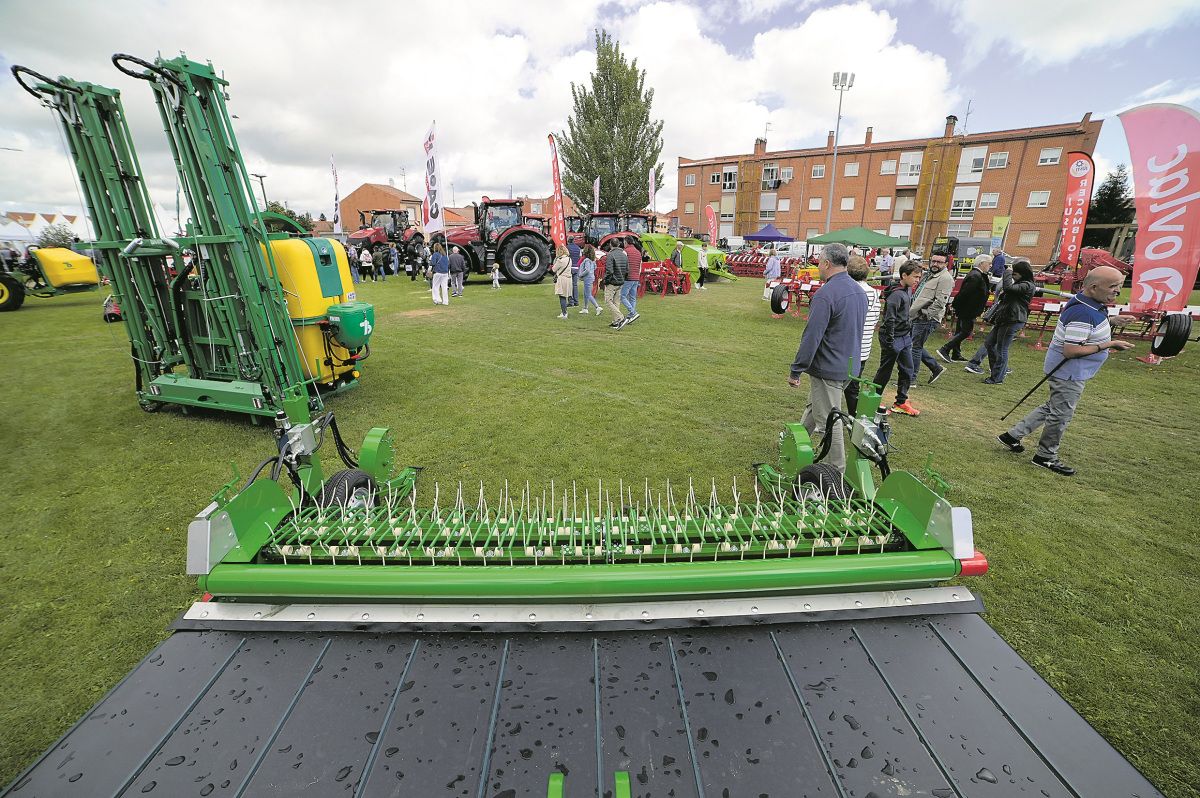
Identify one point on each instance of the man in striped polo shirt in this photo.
(859, 270)
(1082, 340)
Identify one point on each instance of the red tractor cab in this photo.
(386, 227)
(501, 235)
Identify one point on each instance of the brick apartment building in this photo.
(916, 188)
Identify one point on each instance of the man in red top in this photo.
(629, 289)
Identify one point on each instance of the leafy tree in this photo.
(304, 219)
(57, 235)
(323, 219)
(1111, 204)
(611, 135)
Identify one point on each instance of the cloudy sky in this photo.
(363, 82)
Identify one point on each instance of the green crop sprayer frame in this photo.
(215, 332)
(362, 535)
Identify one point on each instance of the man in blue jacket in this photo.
(829, 348)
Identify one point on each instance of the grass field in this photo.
(1093, 579)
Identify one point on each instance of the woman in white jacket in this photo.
(562, 279)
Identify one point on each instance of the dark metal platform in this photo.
(921, 706)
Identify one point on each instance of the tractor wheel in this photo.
(1173, 331)
(827, 480)
(781, 299)
(12, 293)
(352, 487)
(524, 259)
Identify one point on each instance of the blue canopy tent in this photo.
(768, 233)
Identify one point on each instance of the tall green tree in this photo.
(611, 134)
(1111, 204)
(56, 235)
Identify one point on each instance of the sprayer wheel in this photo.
(1172, 333)
(780, 299)
(351, 487)
(12, 293)
(826, 479)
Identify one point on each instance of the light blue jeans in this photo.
(629, 292)
(589, 282)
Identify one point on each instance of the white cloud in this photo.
(496, 76)
(1056, 32)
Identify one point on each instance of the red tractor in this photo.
(387, 226)
(500, 235)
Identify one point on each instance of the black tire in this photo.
(826, 479)
(525, 258)
(349, 487)
(1173, 332)
(781, 299)
(12, 293)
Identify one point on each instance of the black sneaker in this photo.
(616, 325)
(1055, 465)
(944, 356)
(973, 368)
(1012, 443)
(633, 318)
(958, 358)
(934, 376)
(624, 322)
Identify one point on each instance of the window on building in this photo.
(847, 203)
(981, 234)
(1029, 238)
(689, 207)
(535, 207)
(783, 231)
(689, 180)
(812, 232)
(714, 178)
(814, 203)
(818, 170)
(959, 230)
(883, 203)
(770, 177)
(997, 160)
(1049, 156)
(785, 174)
(962, 202)
(1038, 199)
(851, 169)
(990, 200)
(904, 204)
(729, 178)
(887, 168)
(970, 164)
(910, 163)
(785, 205)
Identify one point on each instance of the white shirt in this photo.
(871, 319)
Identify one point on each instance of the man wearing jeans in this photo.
(633, 281)
(829, 348)
(928, 308)
(1082, 340)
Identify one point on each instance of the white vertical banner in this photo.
(596, 196)
(652, 186)
(337, 201)
(432, 219)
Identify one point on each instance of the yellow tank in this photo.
(315, 274)
(64, 268)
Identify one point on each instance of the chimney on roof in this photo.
(951, 121)
(829, 145)
(1086, 118)
(760, 146)
(870, 133)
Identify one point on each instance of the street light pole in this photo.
(263, 186)
(842, 82)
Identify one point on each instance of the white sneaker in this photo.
(562, 315)
(583, 312)
(702, 287)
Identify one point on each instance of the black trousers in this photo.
(963, 326)
(889, 358)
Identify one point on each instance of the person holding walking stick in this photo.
(1082, 341)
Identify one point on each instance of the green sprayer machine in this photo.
(228, 316)
(804, 633)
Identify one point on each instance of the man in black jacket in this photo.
(616, 269)
(968, 304)
(895, 338)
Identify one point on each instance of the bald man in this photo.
(1082, 340)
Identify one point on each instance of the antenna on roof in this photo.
(403, 178)
(966, 117)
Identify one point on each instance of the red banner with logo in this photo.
(1164, 145)
(711, 215)
(1081, 180)
(558, 224)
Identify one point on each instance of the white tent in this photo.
(15, 235)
